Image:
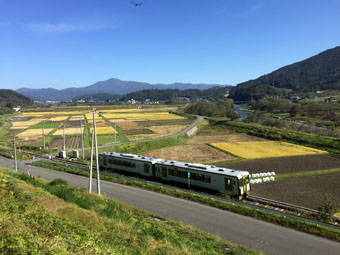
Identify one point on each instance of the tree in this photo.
(327, 209)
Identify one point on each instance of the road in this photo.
(270, 238)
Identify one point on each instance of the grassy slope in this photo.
(35, 221)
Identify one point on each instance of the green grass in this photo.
(247, 211)
(53, 125)
(308, 173)
(37, 221)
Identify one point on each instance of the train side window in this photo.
(146, 168)
(105, 161)
(207, 179)
(228, 184)
(133, 164)
(171, 172)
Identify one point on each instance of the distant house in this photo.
(330, 99)
(296, 98)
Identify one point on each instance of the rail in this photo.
(286, 206)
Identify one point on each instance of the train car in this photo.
(128, 163)
(229, 181)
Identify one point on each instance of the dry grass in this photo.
(77, 117)
(190, 153)
(253, 150)
(104, 130)
(26, 124)
(143, 116)
(224, 138)
(33, 133)
(127, 125)
(141, 109)
(68, 131)
(160, 131)
(58, 118)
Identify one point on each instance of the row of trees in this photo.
(219, 108)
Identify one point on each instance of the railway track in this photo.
(286, 206)
(259, 201)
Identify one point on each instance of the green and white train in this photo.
(235, 183)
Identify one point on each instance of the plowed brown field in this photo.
(190, 153)
(71, 142)
(306, 191)
(284, 165)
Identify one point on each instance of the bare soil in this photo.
(72, 123)
(164, 122)
(306, 191)
(190, 153)
(13, 132)
(225, 138)
(285, 165)
(71, 142)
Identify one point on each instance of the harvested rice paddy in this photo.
(143, 116)
(253, 150)
(104, 130)
(190, 153)
(26, 124)
(68, 131)
(30, 133)
(141, 109)
(159, 131)
(58, 118)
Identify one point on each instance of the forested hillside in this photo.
(320, 72)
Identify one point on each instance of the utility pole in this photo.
(96, 146)
(82, 139)
(43, 133)
(115, 132)
(15, 155)
(91, 164)
(64, 147)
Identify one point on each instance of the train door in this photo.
(228, 183)
(153, 171)
(164, 172)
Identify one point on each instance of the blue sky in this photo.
(64, 43)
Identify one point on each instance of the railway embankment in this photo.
(52, 217)
(273, 216)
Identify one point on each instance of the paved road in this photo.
(270, 238)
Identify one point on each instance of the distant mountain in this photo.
(320, 72)
(111, 86)
(10, 98)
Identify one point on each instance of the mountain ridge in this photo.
(319, 72)
(112, 86)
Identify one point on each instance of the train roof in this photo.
(132, 156)
(206, 168)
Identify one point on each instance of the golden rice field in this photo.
(54, 113)
(25, 124)
(58, 118)
(33, 133)
(68, 131)
(104, 130)
(77, 117)
(270, 149)
(141, 109)
(143, 116)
